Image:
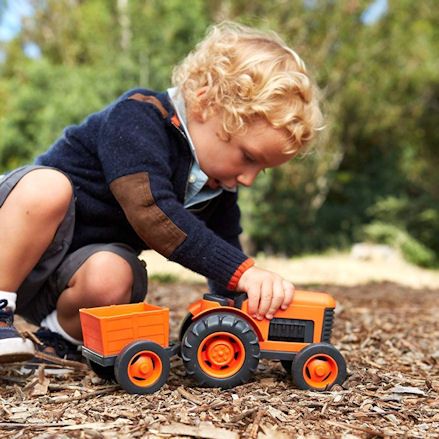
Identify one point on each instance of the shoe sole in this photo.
(16, 349)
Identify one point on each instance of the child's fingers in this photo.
(289, 293)
(254, 295)
(277, 298)
(266, 296)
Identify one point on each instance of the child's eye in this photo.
(248, 158)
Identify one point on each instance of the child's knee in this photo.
(107, 279)
(44, 193)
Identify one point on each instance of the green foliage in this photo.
(380, 86)
(408, 224)
(412, 249)
(417, 222)
(372, 174)
(164, 278)
(41, 104)
(90, 55)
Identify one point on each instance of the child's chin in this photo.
(228, 188)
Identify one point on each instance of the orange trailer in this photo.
(128, 343)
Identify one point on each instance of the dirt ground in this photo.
(388, 333)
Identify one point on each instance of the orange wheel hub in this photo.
(221, 354)
(145, 368)
(320, 371)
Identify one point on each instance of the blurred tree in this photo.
(376, 162)
(91, 52)
(377, 81)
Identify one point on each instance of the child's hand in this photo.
(266, 291)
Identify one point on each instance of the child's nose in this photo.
(247, 178)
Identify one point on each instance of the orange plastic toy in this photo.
(129, 343)
(220, 343)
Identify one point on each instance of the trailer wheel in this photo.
(287, 365)
(104, 372)
(318, 367)
(142, 367)
(220, 350)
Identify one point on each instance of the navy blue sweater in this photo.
(130, 137)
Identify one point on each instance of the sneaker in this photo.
(13, 347)
(56, 345)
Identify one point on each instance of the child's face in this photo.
(239, 160)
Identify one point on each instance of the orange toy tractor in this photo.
(220, 343)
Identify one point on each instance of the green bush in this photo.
(164, 278)
(416, 221)
(411, 249)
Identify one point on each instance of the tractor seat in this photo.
(224, 299)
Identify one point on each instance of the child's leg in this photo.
(29, 218)
(94, 275)
(104, 279)
(33, 203)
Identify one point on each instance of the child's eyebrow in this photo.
(258, 154)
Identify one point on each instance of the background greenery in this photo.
(373, 174)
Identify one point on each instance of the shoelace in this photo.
(6, 315)
(51, 339)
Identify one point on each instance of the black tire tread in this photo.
(314, 349)
(125, 356)
(220, 322)
(103, 372)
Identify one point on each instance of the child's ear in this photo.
(199, 108)
(196, 113)
(201, 92)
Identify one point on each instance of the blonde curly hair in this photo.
(249, 74)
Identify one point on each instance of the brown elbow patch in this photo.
(150, 100)
(133, 193)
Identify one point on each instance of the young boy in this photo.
(153, 170)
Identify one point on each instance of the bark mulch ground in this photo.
(389, 335)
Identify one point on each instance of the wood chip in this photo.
(386, 332)
(61, 361)
(66, 398)
(203, 430)
(186, 394)
(407, 390)
(253, 433)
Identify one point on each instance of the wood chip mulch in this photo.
(389, 335)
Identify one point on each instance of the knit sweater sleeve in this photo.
(134, 150)
(225, 222)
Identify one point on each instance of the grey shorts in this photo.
(38, 294)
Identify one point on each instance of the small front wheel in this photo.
(142, 367)
(318, 367)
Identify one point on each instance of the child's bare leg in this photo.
(104, 279)
(29, 219)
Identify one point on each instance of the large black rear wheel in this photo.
(220, 350)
